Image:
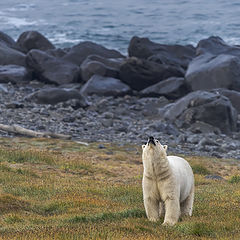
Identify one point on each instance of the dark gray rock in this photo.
(140, 73)
(78, 53)
(14, 74)
(10, 56)
(55, 95)
(207, 141)
(175, 55)
(14, 105)
(203, 106)
(233, 96)
(209, 71)
(214, 177)
(57, 52)
(105, 86)
(171, 88)
(8, 41)
(216, 46)
(108, 115)
(202, 127)
(34, 40)
(100, 66)
(50, 69)
(151, 106)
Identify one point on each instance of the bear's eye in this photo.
(157, 141)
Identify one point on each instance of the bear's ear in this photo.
(165, 147)
(143, 146)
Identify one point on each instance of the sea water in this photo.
(113, 23)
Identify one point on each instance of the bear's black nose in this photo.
(151, 140)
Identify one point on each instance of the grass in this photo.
(51, 189)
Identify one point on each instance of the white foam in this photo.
(60, 38)
(18, 22)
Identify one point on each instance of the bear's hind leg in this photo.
(152, 209)
(187, 204)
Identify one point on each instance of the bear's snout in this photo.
(151, 141)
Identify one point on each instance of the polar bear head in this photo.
(153, 149)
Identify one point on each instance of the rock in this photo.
(4, 88)
(14, 105)
(108, 115)
(214, 177)
(216, 154)
(193, 138)
(151, 106)
(165, 128)
(100, 66)
(34, 40)
(107, 123)
(78, 53)
(105, 86)
(54, 96)
(8, 41)
(58, 53)
(203, 106)
(175, 55)
(207, 141)
(101, 146)
(140, 73)
(14, 74)
(171, 88)
(50, 69)
(202, 127)
(10, 56)
(216, 46)
(232, 95)
(208, 72)
(76, 103)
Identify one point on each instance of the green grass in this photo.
(235, 179)
(199, 169)
(51, 189)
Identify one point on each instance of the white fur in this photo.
(168, 184)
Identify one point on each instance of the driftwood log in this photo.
(30, 133)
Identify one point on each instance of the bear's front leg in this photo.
(172, 208)
(152, 208)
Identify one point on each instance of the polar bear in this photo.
(168, 184)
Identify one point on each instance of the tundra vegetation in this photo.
(55, 189)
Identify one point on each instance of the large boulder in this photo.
(14, 74)
(216, 46)
(175, 55)
(8, 41)
(11, 56)
(233, 96)
(98, 65)
(105, 86)
(34, 40)
(78, 53)
(50, 69)
(202, 106)
(141, 73)
(55, 95)
(209, 71)
(171, 88)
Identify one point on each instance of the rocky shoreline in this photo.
(187, 97)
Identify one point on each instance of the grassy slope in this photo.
(52, 189)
